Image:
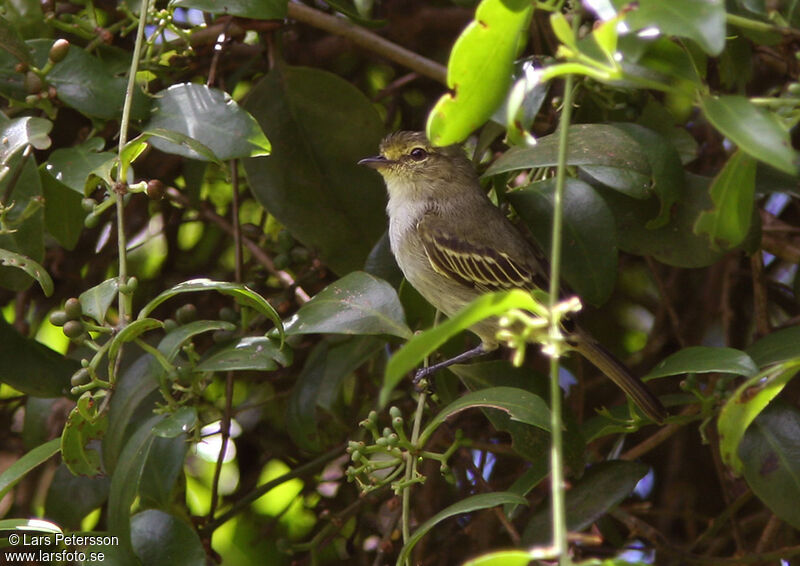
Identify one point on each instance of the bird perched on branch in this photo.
(452, 244)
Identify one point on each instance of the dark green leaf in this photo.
(161, 539)
(131, 332)
(19, 132)
(466, 505)
(25, 220)
(746, 404)
(33, 368)
(83, 82)
(479, 70)
(319, 384)
(606, 152)
(209, 116)
(249, 353)
(320, 126)
(668, 178)
(728, 223)
(163, 469)
(70, 498)
(32, 268)
(589, 250)
(256, 9)
(96, 300)
(19, 469)
(704, 359)
(703, 21)
(780, 346)
(80, 439)
(243, 295)
(358, 303)
(521, 405)
(753, 130)
(63, 214)
(174, 340)
(770, 454)
(673, 244)
(72, 166)
(125, 481)
(180, 422)
(602, 487)
(11, 41)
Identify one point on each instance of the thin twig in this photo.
(759, 295)
(658, 437)
(368, 40)
(666, 302)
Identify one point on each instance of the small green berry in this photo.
(59, 50)
(73, 308)
(58, 318)
(73, 329)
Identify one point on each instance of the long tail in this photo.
(606, 362)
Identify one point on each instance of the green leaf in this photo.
(603, 486)
(209, 116)
(79, 446)
(753, 130)
(609, 154)
(521, 405)
(11, 41)
(163, 469)
(25, 221)
(467, 505)
(256, 9)
(70, 498)
(589, 252)
(243, 295)
(36, 525)
(178, 423)
(20, 132)
(674, 243)
(63, 213)
(249, 353)
(425, 343)
(172, 343)
(19, 469)
(125, 481)
(33, 368)
(668, 178)
(501, 558)
(319, 386)
(97, 300)
(174, 141)
(161, 539)
(746, 404)
(479, 70)
(770, 455)
(32, 268)
(728, 223)
(704, 359)
(358, 303)
(72, 166)
(703, 21)
(85, 83)
(779, 346)
(320, 126)
(131, 332)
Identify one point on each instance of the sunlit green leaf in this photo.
(479, 70)
(249, 353)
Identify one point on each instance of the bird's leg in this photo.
(422, 373)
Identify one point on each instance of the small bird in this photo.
(453, 245)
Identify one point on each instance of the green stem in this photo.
(557, 448)
(755, 25)
(126, 300)
(411, 469)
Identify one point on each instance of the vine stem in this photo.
(557, 449)
(126, 299)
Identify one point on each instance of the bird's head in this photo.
(413, 167)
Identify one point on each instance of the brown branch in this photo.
(368, 40)
(759, 295)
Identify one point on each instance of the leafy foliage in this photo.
(205, 337)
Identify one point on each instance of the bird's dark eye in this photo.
(418, 154)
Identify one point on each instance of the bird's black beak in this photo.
(375, 162)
